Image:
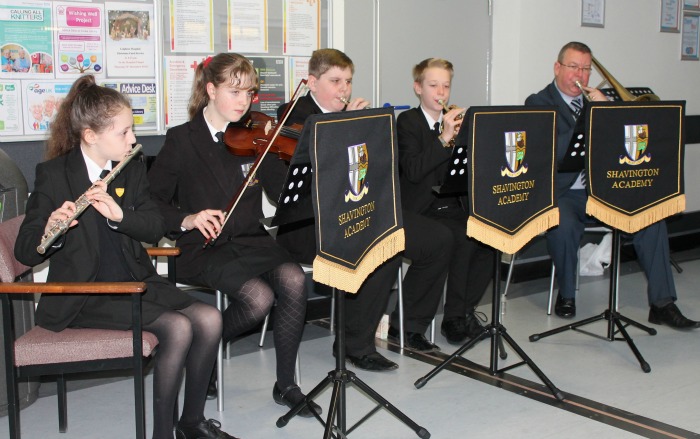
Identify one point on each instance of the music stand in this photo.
(619, 135)
(613, 317)
(340, 377)
(528, 122)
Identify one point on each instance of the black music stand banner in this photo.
(511, 184)
(355, 194)
(634, 167)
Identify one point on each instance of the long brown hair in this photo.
(87, 105)
(229, 68)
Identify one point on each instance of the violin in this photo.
(252, 136)
(261, 139)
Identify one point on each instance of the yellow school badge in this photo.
(119, 191)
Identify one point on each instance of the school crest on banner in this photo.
(355, 194)
(511, 183)
(635, 162)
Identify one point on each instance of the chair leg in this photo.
(227, 347)
(220, 297)
(333, 311)
(399, 283)
(62, 403)
(297, 371)
(510, 273)
(552, 277)
(264, 330)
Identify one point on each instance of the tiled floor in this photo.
(607, 394)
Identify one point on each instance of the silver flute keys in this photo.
(58, 228)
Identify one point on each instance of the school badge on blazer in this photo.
(515, 154)
(119, 191)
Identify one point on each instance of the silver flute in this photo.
(58, 228)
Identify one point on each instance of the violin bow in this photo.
(302, 88)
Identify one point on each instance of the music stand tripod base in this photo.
(614, 318)
(497, 333)
(339, 378)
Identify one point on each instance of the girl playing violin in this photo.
(192, 179)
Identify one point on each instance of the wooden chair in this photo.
(43, 352)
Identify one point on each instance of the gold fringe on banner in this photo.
(635, 223)
(346, 279)
(506, 242)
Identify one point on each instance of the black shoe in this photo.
(374, 362)
(291, 396)
(455, 330)
(565, 308)
(207, 429)
(671, 316)
(474, 326)
(211, 389)
(414, 340)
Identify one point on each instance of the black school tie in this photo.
(436, 127)
(220, 136)
(103, 174)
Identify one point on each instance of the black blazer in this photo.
(192, 173)
(75, 257)
(422, 160)
(565, 129)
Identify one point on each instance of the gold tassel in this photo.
(346, 279)
(635, 223)
(506, 242)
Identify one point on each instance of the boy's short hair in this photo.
(323, 60)
(421, 67)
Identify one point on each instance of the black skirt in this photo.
(107, 311)
(227, 267)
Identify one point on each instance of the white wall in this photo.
(527, 35)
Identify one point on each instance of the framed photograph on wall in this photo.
(670, 16)
(691, 5)
(690, 37)
(593, 13)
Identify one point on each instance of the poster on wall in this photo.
(191, 26)
(40, 102)
(142, 96)
(130, 42)
(10, 108)
(298, 70)
(79, 36)
(272, 90)
(247, 26)
(302, 27)
(178, 74)
(26, 40)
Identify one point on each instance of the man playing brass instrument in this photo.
(571, 73)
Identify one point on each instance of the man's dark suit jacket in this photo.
(565, 129)
(75, 257)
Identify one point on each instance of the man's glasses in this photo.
(576, 68)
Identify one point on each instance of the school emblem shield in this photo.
(358, 160)
(636, 142)
(515, 154)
